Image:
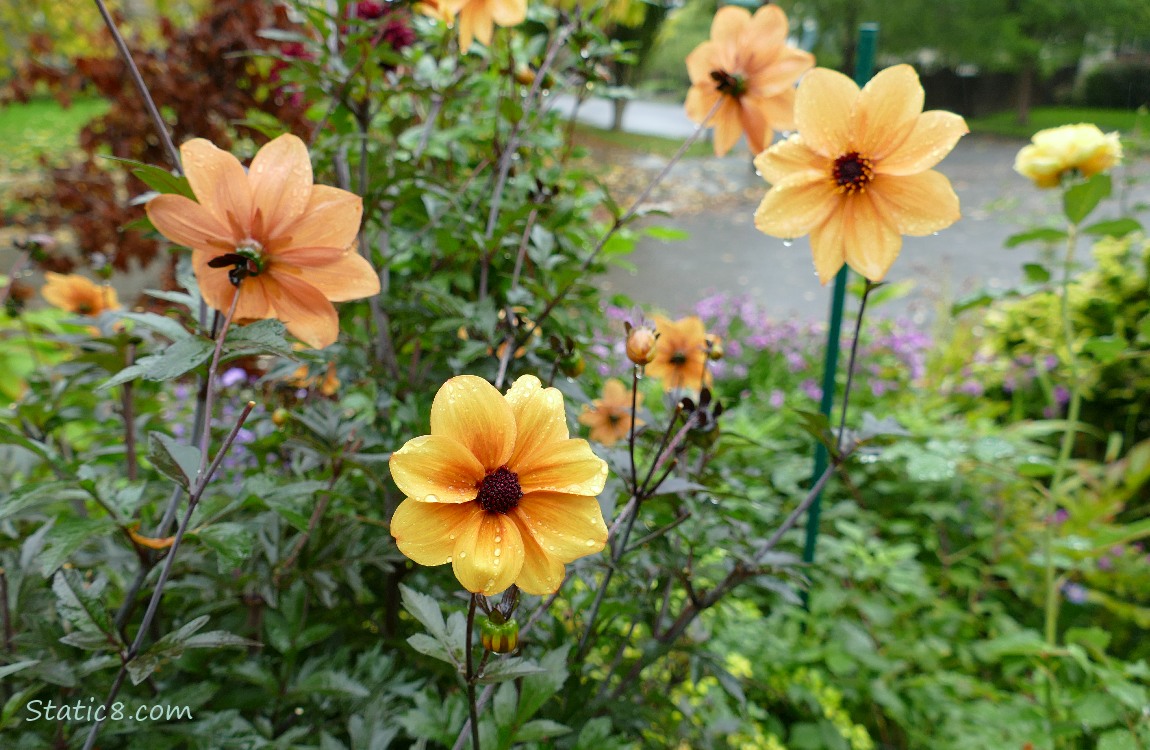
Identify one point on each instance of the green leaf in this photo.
(68, 536)
(428, 646)
(538, 688)
(503, 706)
(509, 669)
(1036, 273)
(91, 640)
(1096, 710)
(171, 646)
(176, 360)
(331, 682)
(426, 610)
(14, 668)
(540, 729)
(79, 604)
(1078, 201)
(219, 639)
(31, 495)
(1105, 349)
(1118, 739)
(594, 734)
(667, 234)
(163, 181)
(261, 337)
(1113, 227)
(1035, 235)
(232, 541)
(169, 327)
(175, 460)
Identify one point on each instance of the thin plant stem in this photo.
(141, 87)
(1050, 579)
(196, 489)
(128, 414)
(622, 221)
(631, 432)
(472, 704)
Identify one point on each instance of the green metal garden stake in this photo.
(864, 67)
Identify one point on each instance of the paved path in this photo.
(726, 252)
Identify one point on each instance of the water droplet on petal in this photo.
(462, 555)
(497, 552)
(788, 242)
(498, 539)
(590, 542)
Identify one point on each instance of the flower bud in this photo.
(499, 637)
(573, 365)
(714, 346)
(280, 417)
(525, 75)
(641, 342)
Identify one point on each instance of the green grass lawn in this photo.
(42, 127)
(1003, 123)
(652, 144)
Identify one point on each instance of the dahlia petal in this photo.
(281, 180)
(303, 309)
(488, 555)
(344, 275)
(919, 203)
(331, 219)
(466, 21)
(728, 24)
(934, 136)
(508, 12)
(727, 125)
(426, 532)
(470, 411)
(779, 74)
(788, 158)
(541, 574)
(827, 246)
(886, 111)
(753, 119)
(254, 303)
(796, 205)
(436, 469)
(215, 287)
(700, 99)
(540, 419)
(567, 526)
(568, 466)
(701, 63)
(187, 223)
(766, 30)
(822, 111)
(872, 241)
(220, 184)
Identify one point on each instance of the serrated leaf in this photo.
(538, 688)
(1035, 235)
(1079, 200)
(68, 536)
(8, 669)
(31, 495)
(177, 461)
(509, 669)
(429, 646)
(232, 541)
(426, 610)
(176, 360)
(163, 181)
(169, 327)
(261, 337)
(79, 604)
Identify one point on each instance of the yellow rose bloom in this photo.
(1055, 152)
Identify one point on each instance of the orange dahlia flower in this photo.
(610, 417)
(681, 357)
(477, 18)
(78, 294)
(292, 239)
(748, 65)
(857, 176)
(499, 489)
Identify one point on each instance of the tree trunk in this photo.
(1025, 91)
(617, 108)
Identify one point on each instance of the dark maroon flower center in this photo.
(726, 83)
(852, 172)
(679, 358)
(499, 491)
